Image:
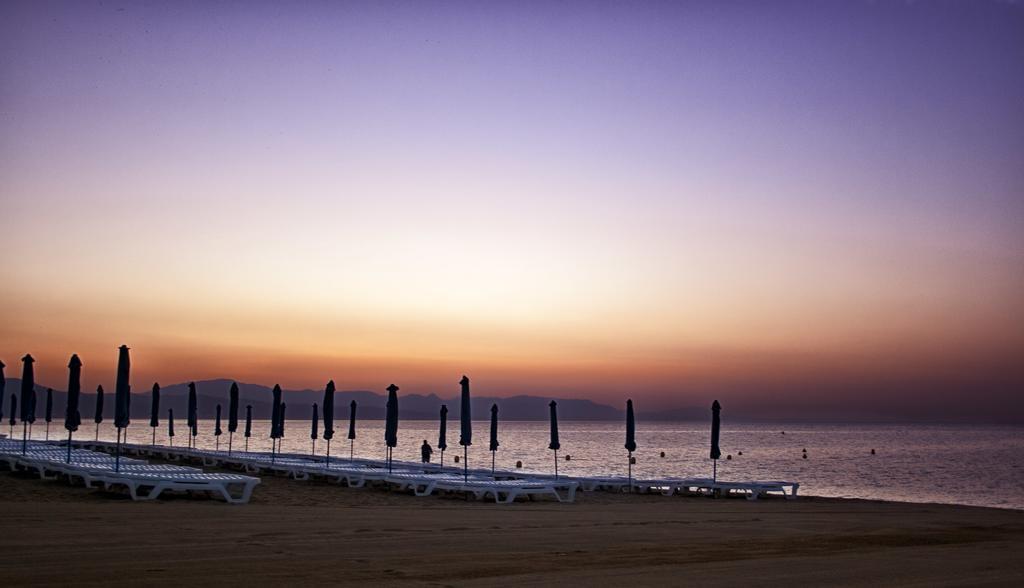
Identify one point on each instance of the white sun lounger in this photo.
(503, 491)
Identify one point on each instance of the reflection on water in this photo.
(974, 465)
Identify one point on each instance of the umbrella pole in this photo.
(442, 459)
(493, 453)
(556, 464)
(69, 447)
(217, 446)
(154, 435)
(312, 451)
(24, 438)
(351, 448)
(117, 453)
(47, 430)
(630, 472)
(465, 463)
(714, 470)
(247, 445)
(231, 437)
(97, 431)
(328, 454)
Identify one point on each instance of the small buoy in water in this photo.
(663, 454)
(872, 452)
(739, 453)
(568, 457)
(519, 465)
(456, 459)
(728, 456)
(632, 460)
(805, 456)
(783, 432)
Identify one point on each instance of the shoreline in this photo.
(317, 533)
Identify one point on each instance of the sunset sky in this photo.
(801, 209)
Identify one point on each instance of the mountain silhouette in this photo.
(371, 404)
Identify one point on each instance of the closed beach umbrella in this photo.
(329, 417)
(72, 418)
(465, 426)
(442, 435)
(192, 415)
(97, 416)
(391, 422)
(280, 424)
(48, 413)
(248, 425)
(14, 411)
(170, 426)
(630, 439)
(232, 413)
(154, 410)
(314, 429)
(122, 400)
(121, 390)
(715, 426)
(217, 432)
(494, 435)
(28, 409)
(351, 429)
(275, 418)
(554, 445)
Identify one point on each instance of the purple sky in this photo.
(788, 205)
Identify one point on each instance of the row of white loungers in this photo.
(358, 472)
(422, 479)
(708, 487)
(142, 480)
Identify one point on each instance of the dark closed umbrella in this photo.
(329, 417)
(315, 428)
(192, 416)
(121, 390)
(248, 425)
(217, 432)
(28, 389)
(72, 418)
(170, 425)
(280, 424)
(154, 410)
(630, 439)
(351, 429)
(494, 435)
(122, 400)
(48, 412)
(716, 424)
(275, 418)
(442, 436)
(554, 445)
(98, 413)
(391, 422)
(465, 426)
(232, 413)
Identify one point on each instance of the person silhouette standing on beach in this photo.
(426, 451)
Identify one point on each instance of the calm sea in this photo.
(975, 465)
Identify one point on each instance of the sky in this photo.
(808, 209)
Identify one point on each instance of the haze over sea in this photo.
(979, 465)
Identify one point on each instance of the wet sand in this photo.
(309, 533)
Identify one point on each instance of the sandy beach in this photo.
(315, 533)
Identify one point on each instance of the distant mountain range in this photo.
(370, 404)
